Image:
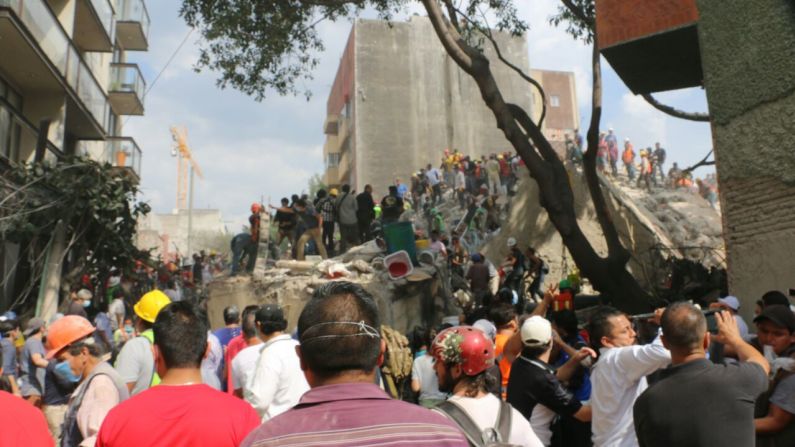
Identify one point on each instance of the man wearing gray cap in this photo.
(80, 301)
(33, 364)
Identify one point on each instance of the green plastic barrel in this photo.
(400, 236)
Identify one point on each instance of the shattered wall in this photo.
(748, 56)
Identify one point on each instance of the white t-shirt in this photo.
(617, 379)
(422, 371)
(484, 410)
(277, 382)
(116, 310)
(243, 365)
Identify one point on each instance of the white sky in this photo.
(248, 150)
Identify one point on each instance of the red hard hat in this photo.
(466, 346)
(255, 207)
(65, 331)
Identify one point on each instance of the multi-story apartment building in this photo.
(398, 101)
(64, 78)
(64, 62)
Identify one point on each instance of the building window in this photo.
(332, 160)
(554, 101)
(10, 130)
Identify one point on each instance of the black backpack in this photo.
(490, 437)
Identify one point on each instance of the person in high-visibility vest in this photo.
(136, 363)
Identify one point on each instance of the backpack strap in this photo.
(503, 426)
(462, 419)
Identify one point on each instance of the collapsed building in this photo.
(656, 228)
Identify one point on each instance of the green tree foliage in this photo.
(95, 203)
(262, 46)
(316, 184)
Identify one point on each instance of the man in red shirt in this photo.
(24, 423)
(181, 410)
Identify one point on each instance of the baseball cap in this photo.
(33, 325)
(536, 331)
(774, 297)
(269, 313)
(731, 302)
(779, 315)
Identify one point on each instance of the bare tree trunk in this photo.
(51, 278)
(608, 275)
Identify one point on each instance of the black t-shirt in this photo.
(285, 220)
(700, 403)
(391, 207)
(534, 390)
(309, 218)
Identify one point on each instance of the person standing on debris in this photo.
(645, 169)
(463, 356)
(478, 276)
(340, 349)
(285, 220)
(538, 269)
(434, 178)
(326, 205)
(254, 223)
(612, 151)
(365, 212)
(276, 384)
(135, 363)
(628, 157)
(493, 175)
(602, 153)
(181, 410)
(458, 256)
(311, 223)
(516, 263)
(70, 340)
(349, 226)
(659, 161)
(391, 206)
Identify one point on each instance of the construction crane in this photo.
(186, 167)
(185, 161)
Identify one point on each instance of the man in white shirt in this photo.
(619, 375)
(244, 363)
(463, 355)
(278, 381)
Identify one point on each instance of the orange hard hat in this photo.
(66, 331)
(255, 207)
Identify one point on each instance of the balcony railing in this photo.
(123, 152)
(94, 25)
(127, 89)
(132, 24)
(47, 31)
(104, 11)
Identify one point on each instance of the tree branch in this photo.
(579, 13)
(692, 116)
(451, 11)
(445, 33)
(487, 33)
(701, 163)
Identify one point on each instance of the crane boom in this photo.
(184, 157)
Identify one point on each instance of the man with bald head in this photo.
(696, 402)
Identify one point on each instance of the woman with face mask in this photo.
(71, 342)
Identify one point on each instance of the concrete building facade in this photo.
(167, 234)
(63, 73)
(398, 101)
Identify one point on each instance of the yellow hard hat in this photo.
(150, 304)
(333, 192)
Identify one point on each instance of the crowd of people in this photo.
(499, 377)
(644, 168)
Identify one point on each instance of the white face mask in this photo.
(87, 303)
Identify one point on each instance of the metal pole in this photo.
(190, 213)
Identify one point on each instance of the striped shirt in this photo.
(354, 415)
